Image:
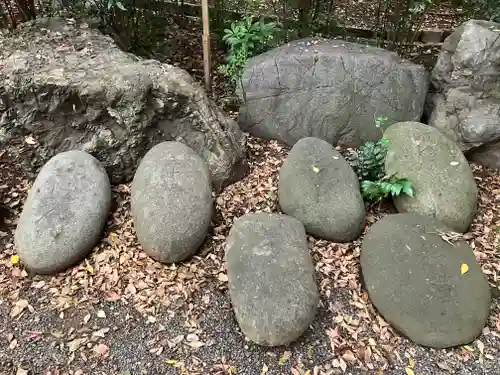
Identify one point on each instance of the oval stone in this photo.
(426, 285)
(171, 202)
(64, 214)
(319, 188)
(443, 181)
(271, 278)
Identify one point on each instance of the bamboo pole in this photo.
(206, 44)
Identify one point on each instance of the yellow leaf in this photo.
(264, 369)
(412, 363)
(171, 362)
(89, 268)
(315, 169)
(14, 259)
(469, 348)
(409, 371)
(464, 268)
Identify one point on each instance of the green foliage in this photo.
(380, 121)
(399, 21)
(245, 39)
(484, 9)
(369, 164)
(374, 191)
(115, 3)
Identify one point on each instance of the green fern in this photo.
(369, 161)
(369, 164)
(375, 191)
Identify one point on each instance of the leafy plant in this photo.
(115, 3)
(380, 121)
(375, 191)
(369, 161)
(245, 39)
(485, 9)
(369, 165)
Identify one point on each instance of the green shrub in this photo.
(245, 39)
(483, 9)
(369, 164)
(381, 189)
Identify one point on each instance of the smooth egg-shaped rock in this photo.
(64, 214)
(171, 202)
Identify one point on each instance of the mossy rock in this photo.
(443, 181)
(415, 279)
(271, 278)
(318, 187)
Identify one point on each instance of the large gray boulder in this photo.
(171, 202)
(271, 278)
(443, 181)
(64, 214)
(70, 87)
(319, 188)
(329, 89)
(415, 277)
(464, 98)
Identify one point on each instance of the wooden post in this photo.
(206, 45)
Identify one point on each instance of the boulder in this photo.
(171, 202)
(64, 214)
(442, 178)
(329, 89)
(415, 278)
(271, 278)
(319, 188)
(66, 86)
(464, 97)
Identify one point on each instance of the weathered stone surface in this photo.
(443, 181)
(70, 87)
(464, 98)
(329, 89)
(64, 214)
(171, 202)
(413, 277)
(271, 278)
(319, 188)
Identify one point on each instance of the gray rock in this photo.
(464, 98)
(319, 188)
(443, 181)
(64, 214)
(71, 87)
(414, 279)
(271, 278)
(329, 89)
(171, 202)
(487, 155)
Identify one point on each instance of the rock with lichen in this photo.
(464, 96)
(64, 214)
(333, 90)
(171, 202)
(318, 187)
(424, 281)
(271, 278)
(443, 182)
(66, 86)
